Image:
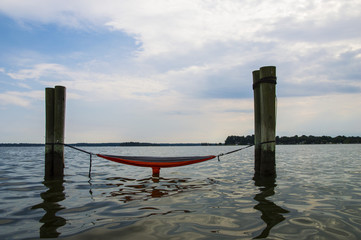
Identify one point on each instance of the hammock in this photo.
(156, 162)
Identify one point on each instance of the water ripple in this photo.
(316, 195)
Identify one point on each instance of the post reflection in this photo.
(271, 213)
(144, 189)
(50, 204)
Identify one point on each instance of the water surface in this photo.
(316, 195)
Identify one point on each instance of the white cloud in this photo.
(164, 27)
(37, 71)
(91, 85)
(23, 99)
(192, 74)
(180, 35)
(333, 114)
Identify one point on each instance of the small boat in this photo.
(156, 162)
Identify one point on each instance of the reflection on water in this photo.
(50, 204)
(153, 187)
(271, 213)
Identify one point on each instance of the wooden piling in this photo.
(257, 123)
(268, 119)
(265, 126)
(49, 131)
(55, 126)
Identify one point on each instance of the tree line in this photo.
(231, 140)
(249, 140)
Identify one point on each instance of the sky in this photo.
(178, 71)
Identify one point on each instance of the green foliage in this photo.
(248, 140)
(239, 140)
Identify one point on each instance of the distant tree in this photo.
(239, 140)
(242, 140)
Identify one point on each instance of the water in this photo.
(316, 195)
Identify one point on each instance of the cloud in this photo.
(191, 67)
(333, 114)
(164, 27)
(23, 99)
(75, 14)
(181, 34)
(101, 86)
(37, 71)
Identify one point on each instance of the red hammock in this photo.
(156, 162)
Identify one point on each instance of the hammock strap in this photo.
(269, 79)
(222, 154)
(78, 149)
(81, 150)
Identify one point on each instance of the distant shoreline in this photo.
(231, 140)
(126, 144)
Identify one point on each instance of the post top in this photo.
(267, 71)
(255, 76)
(58, 86)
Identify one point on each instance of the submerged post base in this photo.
(156, 171)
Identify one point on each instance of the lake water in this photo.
(316, 195)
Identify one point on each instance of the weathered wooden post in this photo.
(266, 125)
(55, 125)
(257, 123)
(59, 130)
(49, 131)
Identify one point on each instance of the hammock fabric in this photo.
(156, 162)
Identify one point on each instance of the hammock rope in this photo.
(91, 154)
(248, 146)
(78, 149)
